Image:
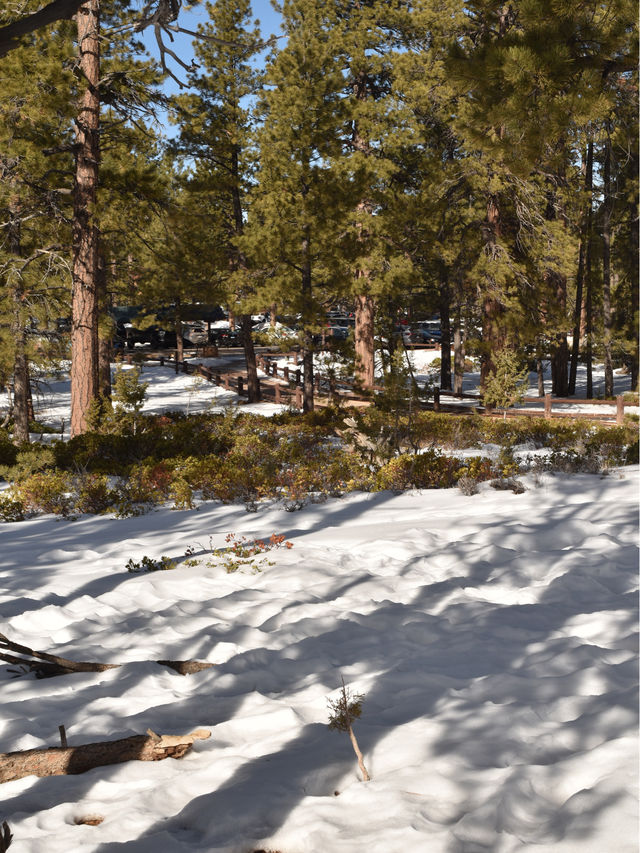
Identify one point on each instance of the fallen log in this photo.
(64, 761)
(46, 665)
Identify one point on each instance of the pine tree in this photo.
(215, 127)
(370, 36)
(111, 83)
(33, 135)
(296, 217)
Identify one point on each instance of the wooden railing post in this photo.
(285, 372)
(240, 386)
(277, 393)
(298, 376)
(547, 406)
(620, 409)
(298, 397)
(436, 399)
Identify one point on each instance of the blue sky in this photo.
(262, 10)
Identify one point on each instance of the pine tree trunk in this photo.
(307, 313)
(633, 321)
(21, 384)
(104, 367)
(104, 338)
(30, 411)
(492, 337)
(308, 401)
(540, 375)
(588, 329)
(458, 357)
(560, 357)
(445, 339)
(606, 269)
(584, 238)
(179, 342)
(253, 383)
(365, 306)
(84, 297)
(364, 340)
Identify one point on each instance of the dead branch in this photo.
(46, 665)
(5, 837)
(59, 761)
(186, 667)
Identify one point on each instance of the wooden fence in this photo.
(545, 406)
(286, 389)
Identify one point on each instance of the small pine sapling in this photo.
(507, 383)
(342, 713)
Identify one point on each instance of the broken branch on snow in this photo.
(46, 665)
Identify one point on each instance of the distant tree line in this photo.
(478, 160)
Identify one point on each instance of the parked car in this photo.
(424, 335)
(337, 331)
(404, 332)
(195, 333)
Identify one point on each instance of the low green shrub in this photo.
(8, 452)
(148, 564)
(29, 459)
(94, 495)
(430, 470)
(11, 508)
(292, 458)
(45, 491)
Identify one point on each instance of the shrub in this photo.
(29, 459)
(148, 564)
(419, 471)
(94, 494)
(45, 491)
(244, 552)
(181, 494)
(477, 468)
(468, 485)
(509, 484)
(8, 452)
(11, 509)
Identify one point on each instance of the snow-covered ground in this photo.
(493, 636)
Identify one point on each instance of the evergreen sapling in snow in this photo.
(342, 713)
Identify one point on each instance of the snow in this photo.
(493, 636)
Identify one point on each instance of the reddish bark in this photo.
(84, 297)
(364, 340)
